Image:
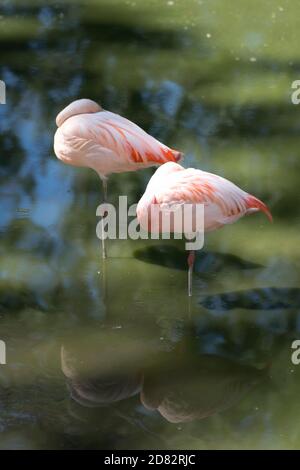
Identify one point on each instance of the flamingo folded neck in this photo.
(83, 106)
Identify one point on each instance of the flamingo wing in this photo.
(129, 141)
(224, 202)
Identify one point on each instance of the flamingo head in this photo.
(83, 106)
(162, 172)
(167, 168)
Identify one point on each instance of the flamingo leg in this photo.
(191, 261)
(104, 183)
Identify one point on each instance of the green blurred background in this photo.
(213, 79)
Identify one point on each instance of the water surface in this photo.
(125, 360)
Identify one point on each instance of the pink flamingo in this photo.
(89, 136)
(172, 185)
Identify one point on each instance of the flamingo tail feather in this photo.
(255, 203)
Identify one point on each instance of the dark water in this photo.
(125, 360)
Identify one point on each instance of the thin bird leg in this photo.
(104, 283)
(104, 182)
(191, 261)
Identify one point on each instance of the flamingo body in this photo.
(89, 136)
(224, 202)
(172, 186)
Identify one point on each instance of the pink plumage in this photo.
(224, 202)
(91, 137)
(172, 186)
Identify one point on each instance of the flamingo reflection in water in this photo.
(181, 385)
